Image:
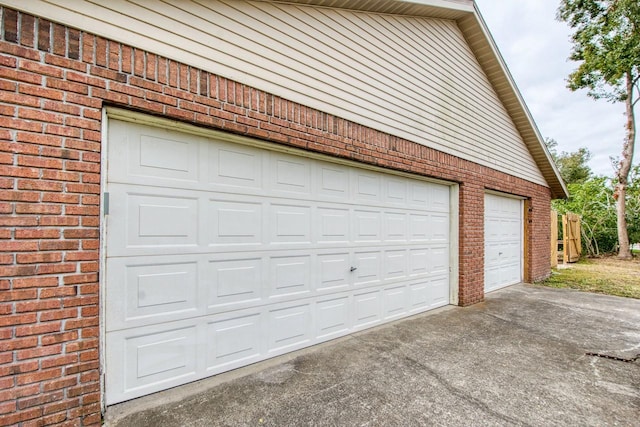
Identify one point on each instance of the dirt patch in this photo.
(605, 275)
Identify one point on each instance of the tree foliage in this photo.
(606, 43)
(573, 166)
(594, 200)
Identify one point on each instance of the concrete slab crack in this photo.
(450, 388)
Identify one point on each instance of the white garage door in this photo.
(221, 254)
(503, 245)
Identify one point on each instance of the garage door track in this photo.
(529, 356)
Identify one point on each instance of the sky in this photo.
(536, 48)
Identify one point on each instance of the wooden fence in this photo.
(570, 242)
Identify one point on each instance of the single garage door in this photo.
(503, 245)
(220, 254)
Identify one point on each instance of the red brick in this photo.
(57, 268)
(20, 76)
(40, 185)
(21, 416)
(36, 306)
(38, 329)
(40, 208)
(61, 198)
(66, 313)
(15, 246)
(39, 376)
(60, 175)
(20, 99)
(58, 221)
(59, 338)
(80, 278)
(40, 399)
(37, 138)
(68, 86)
(40, 162)
(38, 257)
(20, 196)
(17, 296)
(63, 291)
(7, 407)
(19, 172)
(18, 343)
(41, 92)
(66, 404)
(35, 282)
(39, 352)
(67, 359)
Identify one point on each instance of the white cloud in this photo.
(535, 47)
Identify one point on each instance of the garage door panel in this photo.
(290, 224)
(233, 341)
(161, 221)
(333, 270)
(419, 194)
(367, 226)
(158, 357)
(438, 260)
(333, 182)
(332, 317)
(395, 302)
(146, 152)
(333, 225)
(368, 266)
(395, 264)
(234, 254)
(439, 198)
(395, 227)
(419, 261)
(367, 309)
(439, 291)
(235, 223)
(235, 282)
(367, 187)
(439, 228)
(396, 191)
(289, 327)
(289, 174)
(152, 289)
(418, 296)
(237, 166)
(419, 227)
(290, 275)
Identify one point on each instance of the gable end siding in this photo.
(412, 77)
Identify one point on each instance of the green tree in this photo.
(573, 166)
(593, 199)
(606, 42)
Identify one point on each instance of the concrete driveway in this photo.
(520, 358)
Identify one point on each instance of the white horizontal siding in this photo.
(413, 77)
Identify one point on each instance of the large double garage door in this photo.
(220, 254)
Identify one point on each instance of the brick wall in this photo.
(54, 82)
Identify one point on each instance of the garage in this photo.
(220, 254)
(503, 249)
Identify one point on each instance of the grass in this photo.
(606, 275)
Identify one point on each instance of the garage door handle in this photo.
(499, 253)
(353, 268)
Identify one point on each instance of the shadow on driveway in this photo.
(520, 358)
